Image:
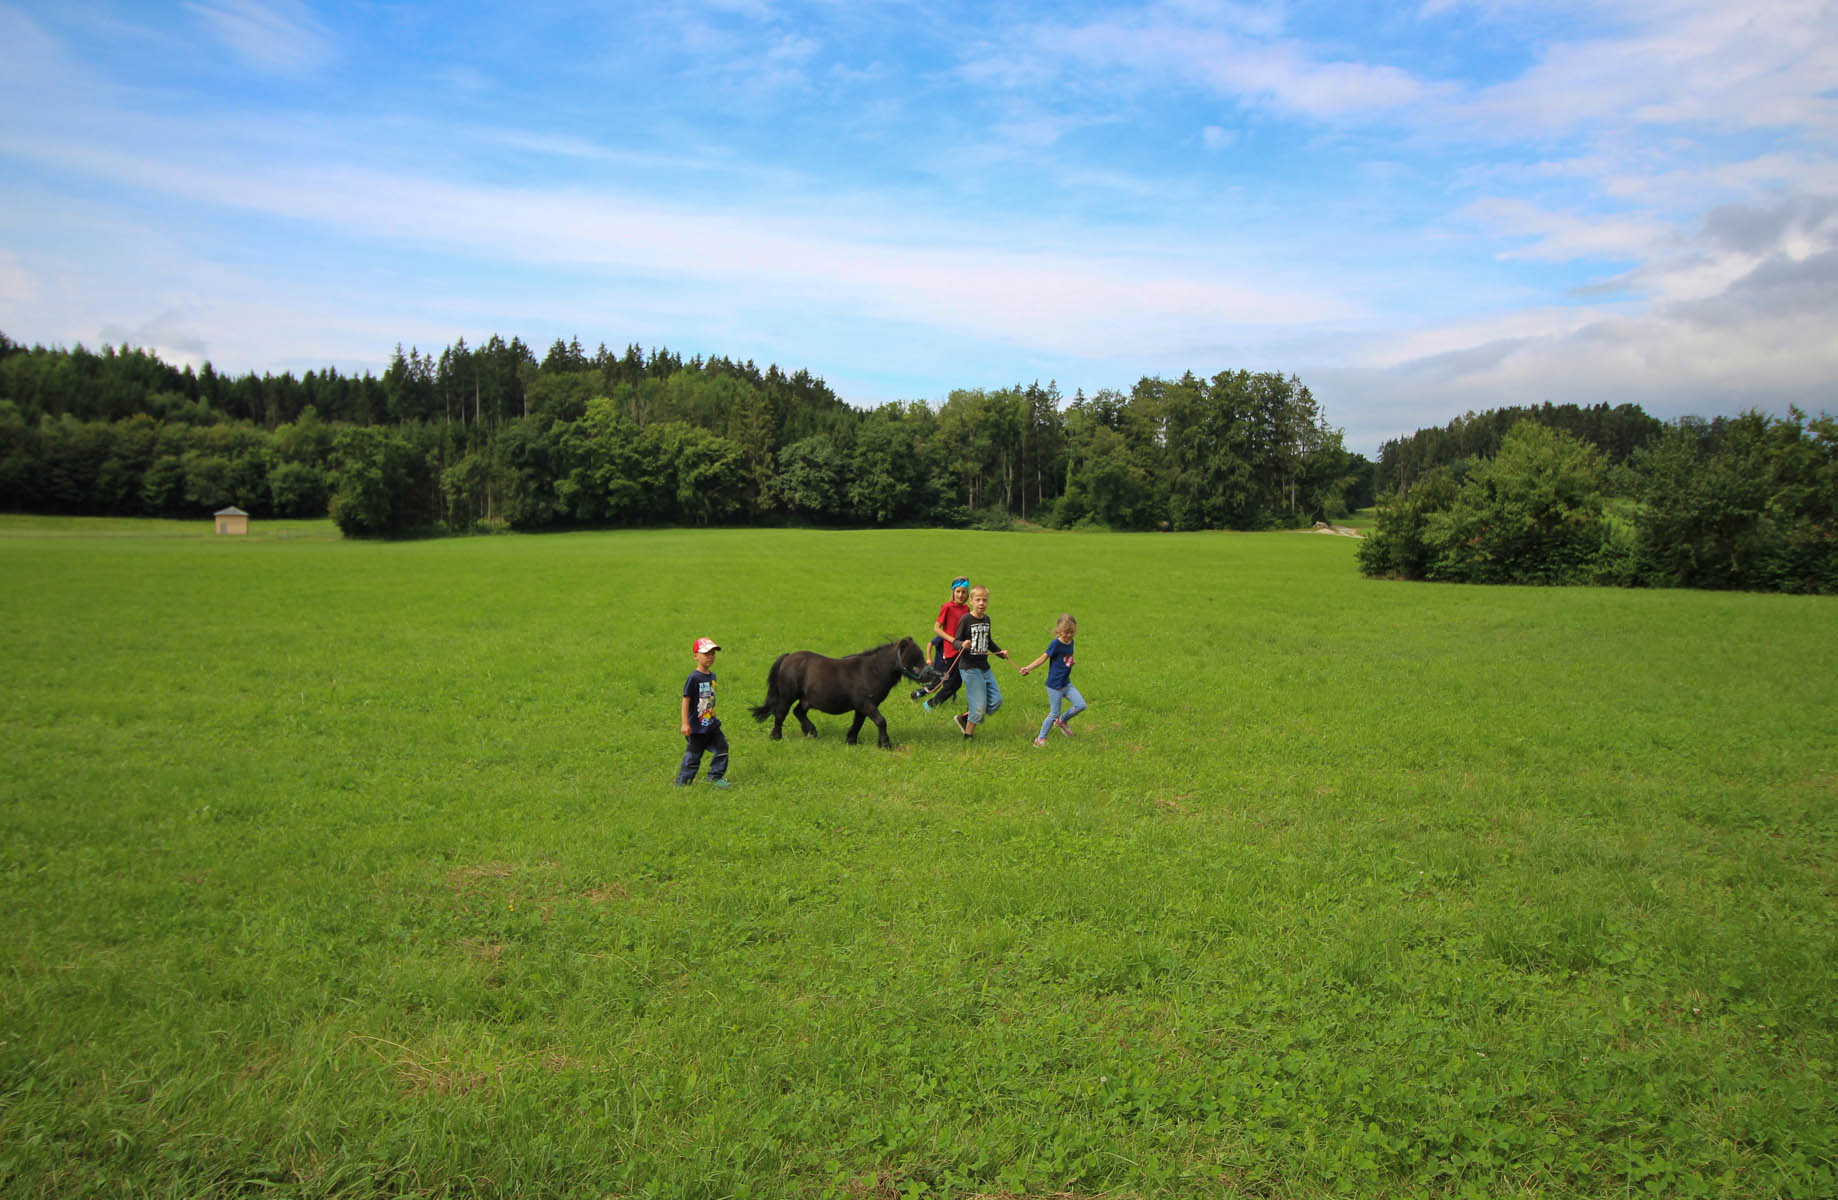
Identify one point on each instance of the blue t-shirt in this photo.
(1059, 663)
(699, 688)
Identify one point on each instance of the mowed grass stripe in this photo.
(341, 868)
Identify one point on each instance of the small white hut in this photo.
(232, 520)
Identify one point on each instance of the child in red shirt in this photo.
(944, 653)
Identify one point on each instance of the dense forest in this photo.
(490, 437)
(1473, 438)
(1746, 502)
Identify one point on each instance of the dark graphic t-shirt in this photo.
(973, 632)
(699, 689)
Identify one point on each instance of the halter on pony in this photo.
(943, 678)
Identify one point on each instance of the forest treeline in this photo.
(1747, 502)
(490, 437)
(1475, 437)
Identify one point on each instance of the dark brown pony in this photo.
(803, 680)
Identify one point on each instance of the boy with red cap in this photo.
(700, 726)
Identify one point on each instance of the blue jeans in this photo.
(981, 691)
(1069, 696)
(714, 740)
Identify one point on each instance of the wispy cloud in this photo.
(1566, 237)
(902, 265)
(1708, 64)
(30, 58)
(1204, 47)
(281, 35)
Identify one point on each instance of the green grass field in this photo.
(336, 868)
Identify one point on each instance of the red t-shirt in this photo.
(948, 616)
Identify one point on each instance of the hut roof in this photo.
(231, 511)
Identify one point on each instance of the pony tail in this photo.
(762, 711)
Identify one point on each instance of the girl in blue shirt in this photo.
(1060, 691)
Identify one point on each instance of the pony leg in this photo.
(803, 721)
(778, 724)
(855, 727)
(880, 725)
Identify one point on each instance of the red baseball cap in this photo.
(703, 645)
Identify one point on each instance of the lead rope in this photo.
(943, 679)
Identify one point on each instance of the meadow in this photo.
(345, 869)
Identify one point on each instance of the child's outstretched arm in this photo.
(1032, 665)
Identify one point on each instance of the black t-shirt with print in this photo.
(973, 632)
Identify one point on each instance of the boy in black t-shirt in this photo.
(974, 646)
(700, 726)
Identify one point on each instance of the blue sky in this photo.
(1419, 208)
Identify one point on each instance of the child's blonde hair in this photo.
(1067, 623)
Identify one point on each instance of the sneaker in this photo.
(1063, 727)
(926, 707)
(918, 693)
(722, 782)
(962, 724)
(1040, 741)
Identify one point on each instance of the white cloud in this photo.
(1566, 237)
(1763, 339)
(1705, 63)
(1236, 66)
(1454, 339)
(1793, 172)
(1731, 244)
(757, 10)
(793, 48)
(1671, 62)
(1029, 125)
(281, 35)
(24, 44)
(749, 61)
(900, 266)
